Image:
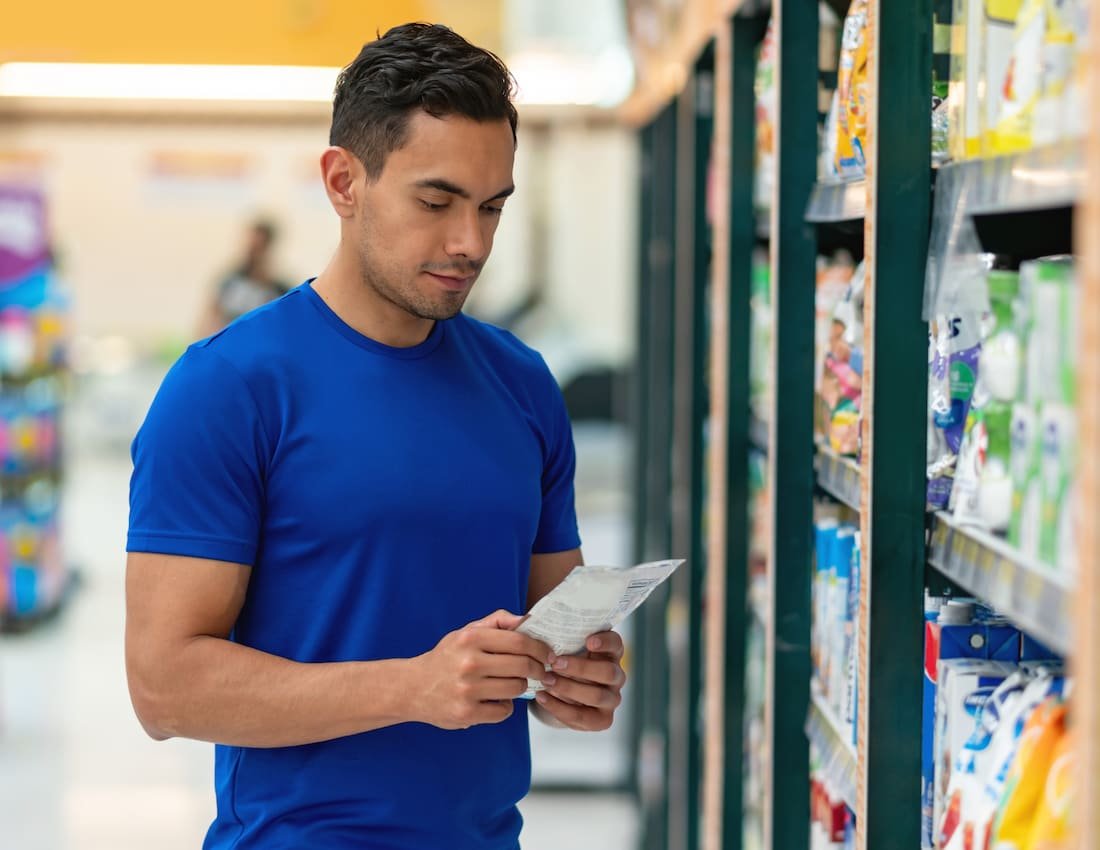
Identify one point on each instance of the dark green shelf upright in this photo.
(791, 456)
(895, 525)
(746, 33)
(653, 478)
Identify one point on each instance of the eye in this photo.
(493, 210)
(428, 205)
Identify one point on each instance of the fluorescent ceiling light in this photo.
(168, 82)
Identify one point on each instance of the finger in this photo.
(512, 666)
(583, 693)
(500, 689)
(574, 716)
(598, 671)
(606, 643)
(494, 712)
(500, 619)
(513, 643)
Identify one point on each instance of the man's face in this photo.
(428, 221)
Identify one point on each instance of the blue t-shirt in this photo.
(384, 497)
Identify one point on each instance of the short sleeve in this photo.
(199, 465)
(557, 530)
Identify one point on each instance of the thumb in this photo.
(499, 620)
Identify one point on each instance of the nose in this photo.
(465, 237)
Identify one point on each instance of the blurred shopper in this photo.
(342, 506)
(251, 284)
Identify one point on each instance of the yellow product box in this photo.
(980, 54)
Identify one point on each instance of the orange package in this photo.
(1026, 777)
(1050, 829)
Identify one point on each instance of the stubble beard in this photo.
(407, 298)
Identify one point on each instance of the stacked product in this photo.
(975, 665)
(1005, 755)
(835, 614)
(760, 337)
(845, 139)
(32, 356)
(755, 745)
(838, 340)
(767, 99)
(1017, 75)
(1003, 395)
(832, 822)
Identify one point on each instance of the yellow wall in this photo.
(216, 32)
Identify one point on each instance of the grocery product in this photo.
(1058, 453)
(1027, 774)
(952, 630)
(1024, 524)
(1021, 85)
(1051, 827)
(33, 307)
(852, 93)
(981, 51)
(964, 686)
(838, 336)
(766, 104)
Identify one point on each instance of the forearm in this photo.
(219, 691)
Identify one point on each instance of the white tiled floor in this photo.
(77, 772)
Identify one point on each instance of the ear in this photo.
(342, 173)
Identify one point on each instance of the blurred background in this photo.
(159, 175)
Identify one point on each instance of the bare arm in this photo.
(187, 679)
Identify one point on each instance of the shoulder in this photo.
(252, 344)
(506, 351)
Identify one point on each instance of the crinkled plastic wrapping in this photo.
(955, 275)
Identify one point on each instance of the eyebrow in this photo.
(451, 189)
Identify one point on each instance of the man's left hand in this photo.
(586, 688)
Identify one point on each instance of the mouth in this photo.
(451, 283)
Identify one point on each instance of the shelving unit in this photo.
(1030, 594)
(1024, 206)
(841, 759)
(838, 476)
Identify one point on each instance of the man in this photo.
(251, 284)
(342, 504)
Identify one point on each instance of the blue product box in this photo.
(1032, 650)
(981, 640)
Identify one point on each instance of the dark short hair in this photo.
(415, 66)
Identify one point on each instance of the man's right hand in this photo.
(473, 674)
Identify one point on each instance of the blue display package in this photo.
(1032, 650)
(954, 634)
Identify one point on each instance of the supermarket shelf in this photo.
(1034, 596)
(1021, 204)
(841, 761)
(837, 202)
(1045, 178)
(759, 433)
(838, 476)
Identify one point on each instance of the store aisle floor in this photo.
(76, 770)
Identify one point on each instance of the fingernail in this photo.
(550, 659)
(560, 664)
(541, 698)
(549, 679)
(595, 644)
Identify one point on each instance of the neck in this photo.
(357, 303)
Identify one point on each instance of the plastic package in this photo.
(1021, 84)
(852, 91)
(766, 103)
(1027, 774)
